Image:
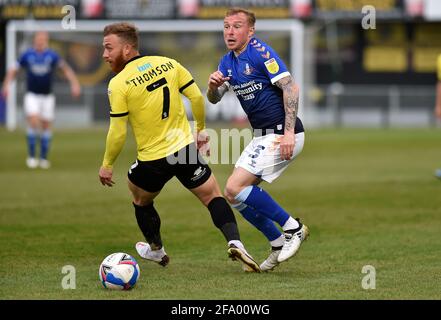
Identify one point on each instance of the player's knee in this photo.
(141, 201)
(33, 123)
(45, 125)
(207, 198)
(208, 191)
(230, 192)
(139, 196)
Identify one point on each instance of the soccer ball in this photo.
(119, 271)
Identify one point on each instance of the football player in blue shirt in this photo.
(269, 97)
(40, 63)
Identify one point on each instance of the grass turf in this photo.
(369, 197)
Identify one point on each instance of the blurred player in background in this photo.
(269, 97)
(438, 101)
(40, 63)
(146, 92)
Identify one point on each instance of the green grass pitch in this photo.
(368, 196)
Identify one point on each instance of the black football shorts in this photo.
(186, 164)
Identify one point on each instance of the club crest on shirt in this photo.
(248, 70)
(230, 73)
(272, 66)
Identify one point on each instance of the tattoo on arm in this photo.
(290, 101)
(216, 95)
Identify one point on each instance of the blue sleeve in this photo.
(56, 59)
(268, 61)
(23, 61)
(222, 67)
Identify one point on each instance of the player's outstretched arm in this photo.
(217, 87)
(75, 86)
(10, 76)
(291, 104)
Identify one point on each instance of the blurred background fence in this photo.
(376, 75)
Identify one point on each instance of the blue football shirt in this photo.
(40, 67)
(252, 77)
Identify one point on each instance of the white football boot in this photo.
(158, 256)
(45, 164)
(271, 262)
(32, 163)
(292, 243)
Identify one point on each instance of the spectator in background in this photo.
(438, 102)
(40, 62)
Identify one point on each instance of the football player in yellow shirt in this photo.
(438, 102)
(146, 92)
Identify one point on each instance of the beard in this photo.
(118, 63)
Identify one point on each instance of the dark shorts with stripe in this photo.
(186, 164)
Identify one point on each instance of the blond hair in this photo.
(250, 15)
(124, 30)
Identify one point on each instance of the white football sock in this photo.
(278, 242)
(290, 224)
(237, 243)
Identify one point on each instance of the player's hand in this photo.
(5, 91)
(75, 89)
(106, 176)
(203, 143)
(287, 143)
(216, 79)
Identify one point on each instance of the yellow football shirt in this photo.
(147, 93)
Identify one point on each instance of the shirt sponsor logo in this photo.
(246, 90)
(144, 67)
(40, 68)
(272, 66)
(151, 73)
